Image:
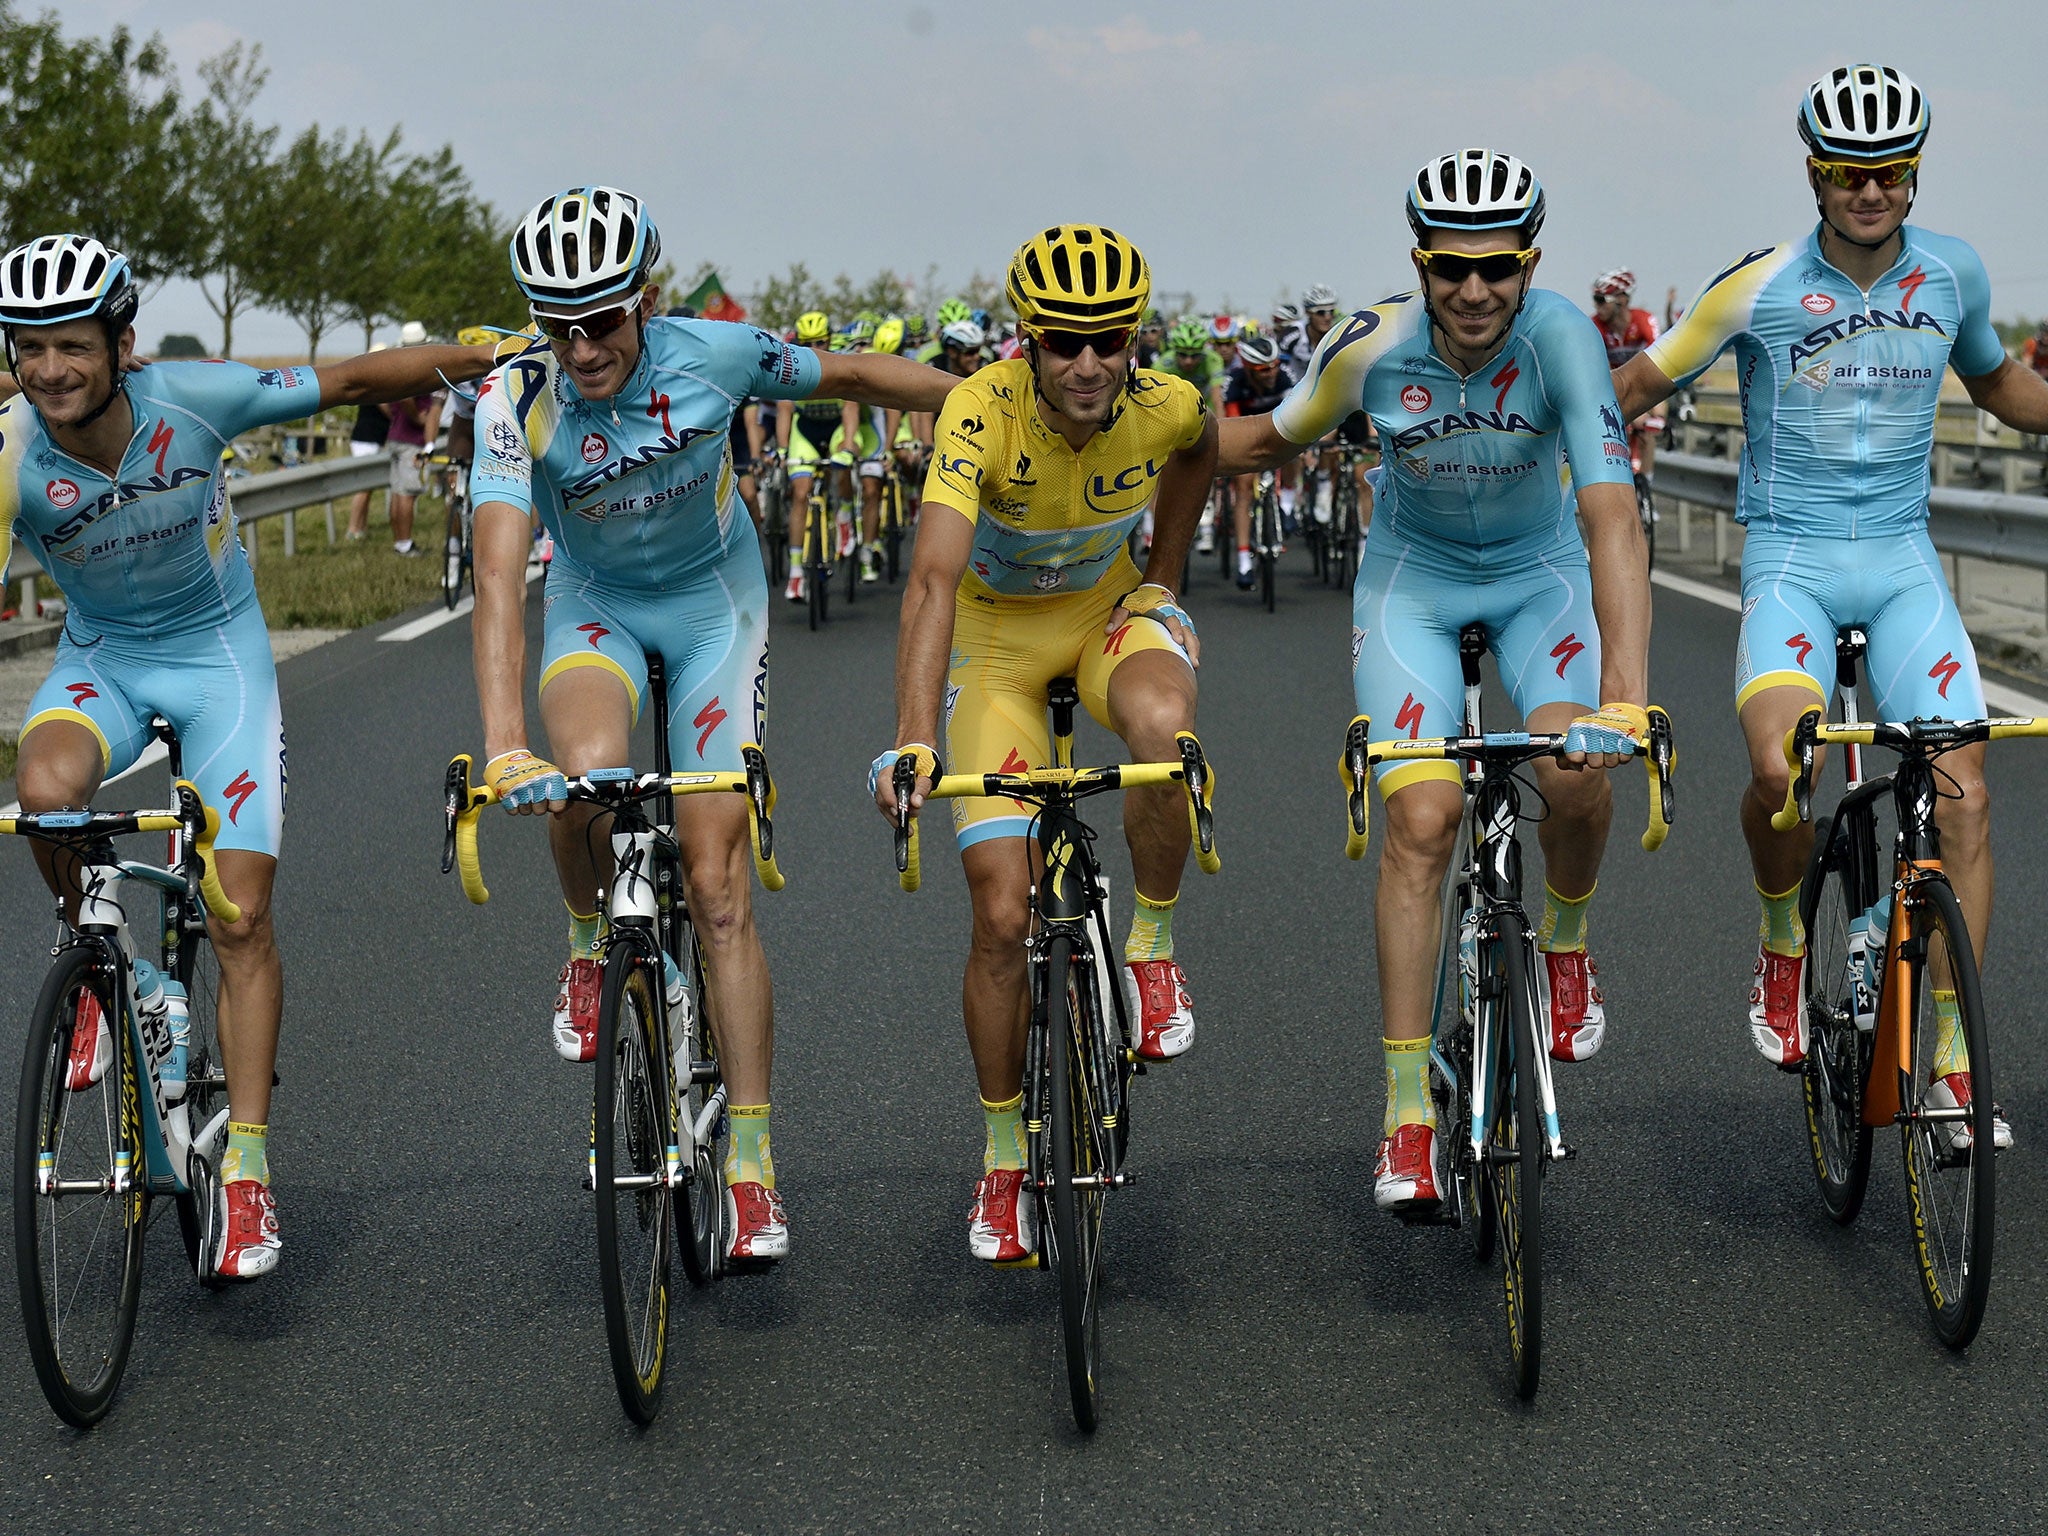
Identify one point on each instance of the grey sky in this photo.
(1247, 147)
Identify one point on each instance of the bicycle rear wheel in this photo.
(78, 1255)
(1073, 1132)
(700, 1200)
(629, 1137)
(1837, 1052)
(1646, 510)
(1950, 1161)
(1268, 512)
(1517, 1157)
(452, 556)
(892, 524)
(206, 1096)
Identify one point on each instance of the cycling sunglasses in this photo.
(1852, 174)
(1455, 266)
(595, 327)
(1071, 344)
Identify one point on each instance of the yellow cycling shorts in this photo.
(1006, 652)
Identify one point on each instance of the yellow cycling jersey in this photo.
(1048, 519)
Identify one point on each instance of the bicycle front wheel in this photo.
(1949, 1125)
(1074, 1131)
(79, 1207)
(1517, 1157)
(1837, 1052)
(629, 1140)
(817, 564)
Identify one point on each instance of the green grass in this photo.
(7, 756)
(347, 584)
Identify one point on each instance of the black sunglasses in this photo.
(1455, 266)
(1071, 344)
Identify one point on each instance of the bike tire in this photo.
(1518, 1161)
(629, 1132)
(78, 1257)
(1646, 510)
(892, 528)
(1837, 1052)
(1269, 551)
(206, 1095)
(451, 557)
(700, 1213)
(817, 572)
(1951, 1190)
(1076, 1236)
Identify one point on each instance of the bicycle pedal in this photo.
(1565, 1153)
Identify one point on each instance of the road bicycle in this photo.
(773, 480)
(658, 1117)
(1266, 538)
(1078, 1052)
(1346, 532)
(899, 488)
(1490, 1059)
(458, 547)
(90, 1162)
(820, 543)
(1877, 955)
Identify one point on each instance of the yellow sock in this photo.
(246, 1156)
(1004, 1147)
(584, 932)
(747, 1158)
(1781, 930)
(1151, 935)
(1951, 1045)
(1408, 1097)
(1563, 930)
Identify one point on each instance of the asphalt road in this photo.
(1278, 1356)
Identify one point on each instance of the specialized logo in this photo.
(1021, 474)
(1415, 398)
(63, 494)
(160, 443)
(1409, 717)
(657, 410)
(1013, 762)
(1817, 304)
(1503, 381)
(1566, 651)
(1114, 645)
(239, 789)
(1057, 858)
(595, 447)
(1801, 647)
(709, 718)
(1909, 285)
(594, 632)
(1945, 669)
(80, 692)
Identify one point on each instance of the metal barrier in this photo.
(258, 497)
(1982, 524)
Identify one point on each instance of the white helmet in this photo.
(1866, 111)
(66, 277)
(1475, 189)
(1319, 296)
(584, 245)
(963, 333)
(412, 334)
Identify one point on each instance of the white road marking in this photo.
(433, 621)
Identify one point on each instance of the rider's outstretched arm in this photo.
(880, 378)
(399, 373)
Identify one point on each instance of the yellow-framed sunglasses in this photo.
(1455, 266)
(1852, 174)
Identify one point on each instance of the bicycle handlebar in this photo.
(1659, 754)
(1192, 772)
(464, 804)
(200, 820)
(1812, 731)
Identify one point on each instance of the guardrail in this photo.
(255, 498)
(1985, 525)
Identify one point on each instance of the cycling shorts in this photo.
(1798, 590)
(742, 448)
(712, 637)
(1006, 651)
(1406, 615)
(804, 452)
(218, 689)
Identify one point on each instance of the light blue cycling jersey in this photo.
(1476, 468)
(152, 551)
(1839, 387)
(638, 489)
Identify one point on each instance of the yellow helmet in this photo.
(1079, 277)
(475, 336)
(889, 336)
(812, 325)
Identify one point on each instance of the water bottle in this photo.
(178, 1019)
(1862, 986)
(152, 1012)
(1468, 963)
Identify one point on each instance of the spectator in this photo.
(373, 426)
(414, 424)
(2034, 350)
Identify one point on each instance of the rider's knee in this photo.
(717, 880)
(1578, 796)
(51, 781)
(1002, 921)
(1423, 825)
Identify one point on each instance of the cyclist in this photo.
(1842, 339)
(1045, 465)
(1479, 385)
(954, 311)
(1225, 331)
(1286, 322)
(808, 435)
(1626, 332)
(116, 479)
(960, 355)
(1151, 338)
(1188, 357)
(1258, 382)
(614, 426)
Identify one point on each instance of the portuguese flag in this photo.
(710, 300)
